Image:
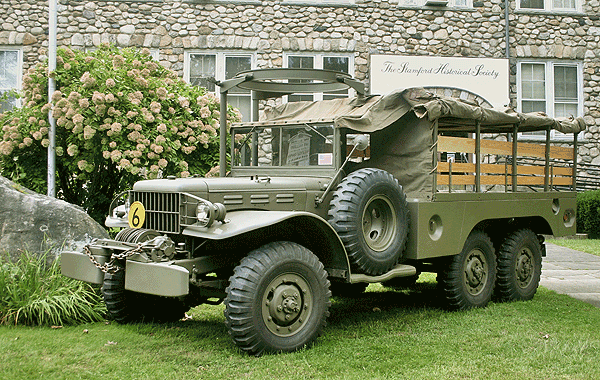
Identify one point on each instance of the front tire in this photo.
(519, 266)
(469, 279)
(124, 306)
(277, 299)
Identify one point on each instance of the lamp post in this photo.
(52, 24)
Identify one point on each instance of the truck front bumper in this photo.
(77, 265)
(161, 279)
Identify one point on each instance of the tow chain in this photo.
(111, 266)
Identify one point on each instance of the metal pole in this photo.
(449, 176)
(223, 136)
(52, 23)
(547, 164)
(434, 148)
(478, 157)
(575, 161)
(254, 134)
(514, 158)
(507, 27)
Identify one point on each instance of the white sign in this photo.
(299, 150)
(486, 77)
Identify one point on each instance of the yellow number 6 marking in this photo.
(137, 215)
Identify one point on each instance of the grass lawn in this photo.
(384, 334)
(584, 245)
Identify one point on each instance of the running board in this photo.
(399, 270)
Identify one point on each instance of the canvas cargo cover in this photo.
(401, 124)
(377, 112)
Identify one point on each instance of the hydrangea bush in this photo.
(120, 117)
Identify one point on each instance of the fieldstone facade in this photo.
(358, 28)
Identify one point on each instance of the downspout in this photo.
(507, 27)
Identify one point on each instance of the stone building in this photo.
(553, 45)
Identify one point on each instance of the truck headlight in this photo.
(207, 213)
(203, 214)
(122, 210)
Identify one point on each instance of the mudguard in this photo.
(243, 221)
(239, 222)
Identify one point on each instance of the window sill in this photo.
(549, 12)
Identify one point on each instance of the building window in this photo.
(438, 3)
(555, 88)
(550, 5)
(342, 63)
(10, 76)
(202, 69)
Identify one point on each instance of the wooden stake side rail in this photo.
(466, 145)
(498, 174)
(459, 179)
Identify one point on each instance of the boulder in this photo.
(38, 224)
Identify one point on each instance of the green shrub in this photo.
(35, 293)
(588, 213)
(120, 117)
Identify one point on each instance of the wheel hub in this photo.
(475, 272)
(379, 225)
(287, 303)
(524, 268)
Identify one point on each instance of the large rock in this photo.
(37, 223)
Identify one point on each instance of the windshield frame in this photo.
(285, 171)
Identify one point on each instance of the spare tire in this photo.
(370, 214)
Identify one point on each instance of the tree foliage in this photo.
(588, 213)
(120, 117)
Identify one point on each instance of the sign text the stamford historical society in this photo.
(486, 77)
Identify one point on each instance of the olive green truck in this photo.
(328, 196)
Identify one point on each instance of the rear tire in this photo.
(469, 279)
(519, 266)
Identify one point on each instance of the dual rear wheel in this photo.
(471, 277)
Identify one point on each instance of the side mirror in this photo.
(361, 142)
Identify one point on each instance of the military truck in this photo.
(328, 196)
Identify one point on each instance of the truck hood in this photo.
(230, 184)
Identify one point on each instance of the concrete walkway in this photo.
(571, 272)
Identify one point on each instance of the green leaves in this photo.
(588, 212)
(117, 111)
(35, 293)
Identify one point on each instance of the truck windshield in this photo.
(298, 145)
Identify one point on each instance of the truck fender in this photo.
(305, 228)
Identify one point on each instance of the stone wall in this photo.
(362, 28)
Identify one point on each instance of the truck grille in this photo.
(162, 210)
